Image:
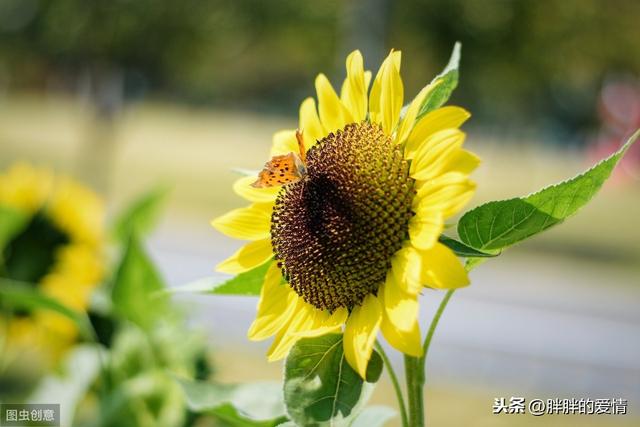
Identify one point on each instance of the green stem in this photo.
(396, 385)
(415, 384)
(415, 370)
(434, 323)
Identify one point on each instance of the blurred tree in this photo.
(110, 50)
(194, 48)
(522, 59)
(96, 45)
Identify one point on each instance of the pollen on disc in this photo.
(335, 231)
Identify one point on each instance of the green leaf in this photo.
(462, 250)
(446, 82)
(12, 222)
(25, 296)
(374, 416)
(496, 225)
(248, 283)
(141, 215)
(256, 404)
(473, 263)
(320, 388)
(136, 291)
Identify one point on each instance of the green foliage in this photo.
(496, 225)
(11, 222)
(136, 291)
(141, 215)
(149, 399)
(139, 388)
(320, 388)
(239, 405)
(464, 251)
(248, 283)
(445, 83)
(25, 296)
(518, 76)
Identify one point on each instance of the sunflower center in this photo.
(334, 231)
(30, 255)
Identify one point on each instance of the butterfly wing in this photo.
(281, 170)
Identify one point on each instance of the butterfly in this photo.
(284, 169)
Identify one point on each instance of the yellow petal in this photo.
(325, 322)
(284, 142)
(301, 321)
(353, 94)
(247, 257)
(333, 114)
(400, 306)
(367, 79)
(76, 210)
(391, 97)
(441, 269)
(310, 123)
(406, 265)
(406, 341)
(250, 223)
(434, 121)
(446, 193)
(436, 153)
(425, 228)
(276, 306)
(376, 88)
(464, 162)
(244, 189)
(360, 334)
(412, 112)
(25, 188)
(79, 263)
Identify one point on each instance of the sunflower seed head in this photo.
(334, 232)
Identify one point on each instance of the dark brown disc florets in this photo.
(334, 231)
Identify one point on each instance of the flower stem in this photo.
(434, 323)
(414, 368)
(415, 383)
(396, 385)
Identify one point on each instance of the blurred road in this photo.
(528, 323)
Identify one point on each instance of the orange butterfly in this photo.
(283, 169)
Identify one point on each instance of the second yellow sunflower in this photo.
(56, 247)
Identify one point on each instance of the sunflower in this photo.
(56, 248)
(352, 243)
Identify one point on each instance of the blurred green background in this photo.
(128, 93)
